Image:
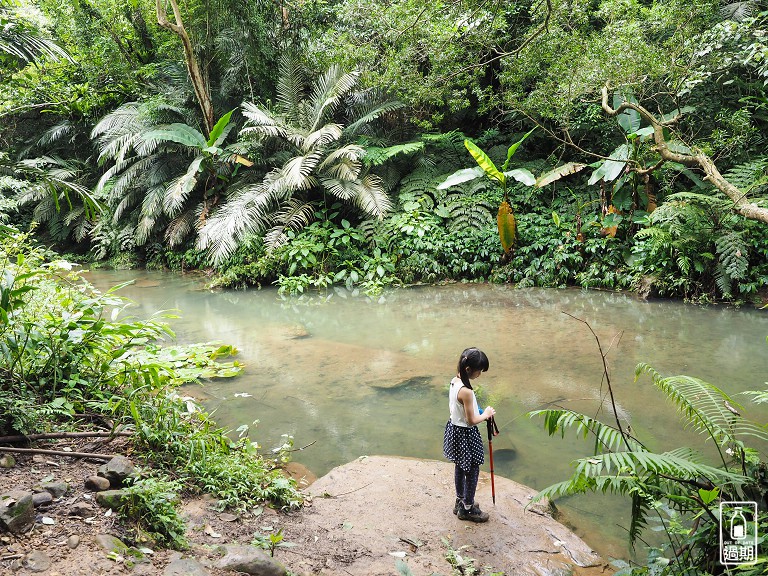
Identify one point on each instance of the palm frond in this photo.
(290, 88)
(342, 163)
(371, 196)
(294, 215)
(326, 134)
(739, 11)
(24, 41)
(329, 91)
(261, 122)
(56, 133)
(248, 211)
(377, 112)
(180, 228)
(178, 189)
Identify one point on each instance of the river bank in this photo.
(361, 518)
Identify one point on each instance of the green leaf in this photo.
(218, 130)
(179, 133)
(522, 175)
(460, 176)
(708, 496)
(513, 149)
(485, 162)
(629, 119)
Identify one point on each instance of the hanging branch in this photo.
(696, 159)
(541, 29)
(607, 378)
(195, 74)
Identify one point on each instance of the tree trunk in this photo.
(195, 75)
(697, 159)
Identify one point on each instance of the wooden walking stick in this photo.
(493, 430)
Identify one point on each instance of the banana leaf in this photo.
(559, 172)
(505, 219)
(485, 163)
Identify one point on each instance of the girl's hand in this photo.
(489, 412)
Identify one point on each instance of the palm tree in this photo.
(165, 177)
(23, 41)
(317, 159)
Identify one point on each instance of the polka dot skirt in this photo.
(463, 445)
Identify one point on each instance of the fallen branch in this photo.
(57, 453)
(696, 159)
(53, 435)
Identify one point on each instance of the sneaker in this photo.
(456, 506)
(474, 514)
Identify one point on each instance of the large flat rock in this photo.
(363, 514)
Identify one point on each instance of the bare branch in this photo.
(58, 453)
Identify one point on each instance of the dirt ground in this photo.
(360, 519)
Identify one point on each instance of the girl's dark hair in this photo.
(471, 360)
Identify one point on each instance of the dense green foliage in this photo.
(314, 176)
(335, 126)
(70, 357)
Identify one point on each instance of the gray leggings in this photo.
(466, 483)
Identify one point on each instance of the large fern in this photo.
(750, 176)
(621, 464)
(706, 408)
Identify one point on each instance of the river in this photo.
(354, 376)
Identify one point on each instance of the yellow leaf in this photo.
(244, 161)
(505, 219)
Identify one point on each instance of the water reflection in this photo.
(370, 377)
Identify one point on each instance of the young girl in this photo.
(462, 442)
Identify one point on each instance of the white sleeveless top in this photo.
(458, 416)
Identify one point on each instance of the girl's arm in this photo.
(471, 413)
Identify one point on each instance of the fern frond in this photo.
(606, 437)
(733, 254)
(749, 175)
(706, 408)
(375, 156)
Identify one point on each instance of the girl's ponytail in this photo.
(471, 360)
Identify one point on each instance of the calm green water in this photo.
(356, 377)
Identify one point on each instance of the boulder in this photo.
(56, 489)
(117, 471)
(17, 511)
(185, 567)
(7, 461)
(111, 544)
(82, 510)
(41, 499)
(112, 499)
(250, 560)
(97, 483)
(37, 561)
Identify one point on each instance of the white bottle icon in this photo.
(738, 524)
